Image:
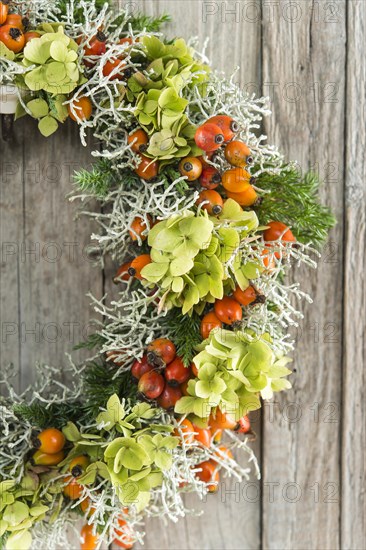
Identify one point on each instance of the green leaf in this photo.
(71, 432)
(58, 51)
(21, 540)
(6, 485)
(3, 526)
(128, 492)
(38, 510)
(35, 79)
(55, 73)
(177, 285)
(154, 272)
(163, 460)
(47, 126)
(16, 513)
(203, 389)
(251, 270)
(191, 298)
(180, 266)
(115, 407)
(184, 405)
(37, 51)
(154, 47)
(5, 53)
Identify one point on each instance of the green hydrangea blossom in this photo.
(47, 109)
(129, 450)
(55, 61)
(157, 94)
(189, 255)
(19, 511)
(234, 370)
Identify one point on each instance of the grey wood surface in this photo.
(309, 57)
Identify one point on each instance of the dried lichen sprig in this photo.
(134, 198)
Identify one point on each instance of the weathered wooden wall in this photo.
(309, 57)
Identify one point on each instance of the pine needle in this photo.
(97, 181)
(184, 331)
(293, 199)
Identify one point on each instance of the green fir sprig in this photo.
(184, 331)
(149, 23)
(94, 340)
(293, 199)
(97, 181)
(39, 415)
(99, 382)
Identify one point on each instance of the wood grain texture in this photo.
(45, 271)
(309, 58)
(353, 519)
(303, 70)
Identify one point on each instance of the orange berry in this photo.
(221, 421)
(185, 431)
(229, 126)
(194, 369)
(83, 108)
(41, 458)
(228, 310)
(243, 425)
(28, 36)
(138, 226)
(147, 168)
(88, 540)
(12, 37)
(245, 297)
(203, 435)
(217, 435)
(138, 141)
(4, 9)
(268, 259)
(73, 490)
(244, 198)
(115, 66)
(50, 441)
(278, 231)
(191, 167)
(85, 506)
(209, 137)
(211, 201)
(138, 264)
(78, 465)
(236, 180)
(209, 474)
(16, 20)
(161, 352)
(122, 273)
(125, 536)
(236, 153)
(209, 322)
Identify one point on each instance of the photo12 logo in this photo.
(270, 11)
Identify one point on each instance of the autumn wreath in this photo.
(204, 219)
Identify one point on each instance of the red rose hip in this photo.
(151, 384)
(176, 373)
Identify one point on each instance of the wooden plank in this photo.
(353, 520)
(11, 200)
(303, 72)
(47, 278)
(233, 41)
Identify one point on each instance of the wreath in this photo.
(205, 219)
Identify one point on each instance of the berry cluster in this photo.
(217, 132)
(161, 374)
